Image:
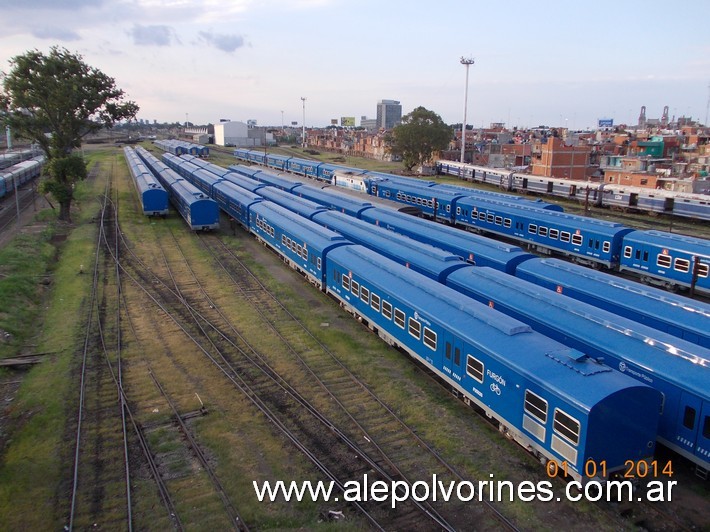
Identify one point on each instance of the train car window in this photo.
(355, 287)
(577, 240)
(689, 418)
(474, 368)
(458, 211)
(482, 216)
(663, 403)
(536, 406)
(566, 426)
(703, 270)
(365, 295)
(448, 208)
(490, 218)
(554, 234)
(318, 263)
(399, 318)
(415, 328)
(606, 247)
(507, 223)
(283, 239)
(564, 236)
(430, 339)
(663, 261)
(706, 427)
(448, 350)
(346, 282)
(596, 244)
(375, 302)
(645, 256)
(299, 250)
(499, 220)
(457, 356)
(387, 310)
(542, 231)
(532, 229)
(682, 265)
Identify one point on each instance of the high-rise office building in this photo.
(389, 114)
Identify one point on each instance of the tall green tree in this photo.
(418, 136)
(56, 100)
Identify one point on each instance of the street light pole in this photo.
(303, 99)
(467, 62)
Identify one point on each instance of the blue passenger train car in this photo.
(667, 259)
(550, 399)
(679, 370)
(332, 199)
(473, 248)
(428, 260)
(153, 197)
(303, 244)
(677, 315)
(235, 201)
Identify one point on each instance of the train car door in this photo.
(689, 414)
(703, 443)
(633, 199)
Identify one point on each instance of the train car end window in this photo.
(606, 247)
(536, 406)
(566, 426)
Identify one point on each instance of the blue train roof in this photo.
(659, 354)
(662, 239)
(428, 260)
(249, 171)
(240, 194)
(511, 198)
(294, 203)
(245, 182)
(562, 371)
(284, 183)
(474, 248)
(629, 297)
(314, 234)
(332, 199)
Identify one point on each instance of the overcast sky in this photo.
(545, 62)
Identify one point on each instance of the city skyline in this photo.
(550, 62)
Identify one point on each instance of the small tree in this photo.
(421, 133)
(56, 100)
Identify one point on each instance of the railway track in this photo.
(374, 421)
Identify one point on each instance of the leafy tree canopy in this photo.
(418, 136)
(56, 100)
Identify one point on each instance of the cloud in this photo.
(226, 43)
(152, 35)
(56, 34)
(51, 4)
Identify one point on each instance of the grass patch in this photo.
(36, 457)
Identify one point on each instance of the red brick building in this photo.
(555, 159)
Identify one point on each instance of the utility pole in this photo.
(467, 62)
(303, 99)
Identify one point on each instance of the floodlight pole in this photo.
(303, 99)
(467, 62)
